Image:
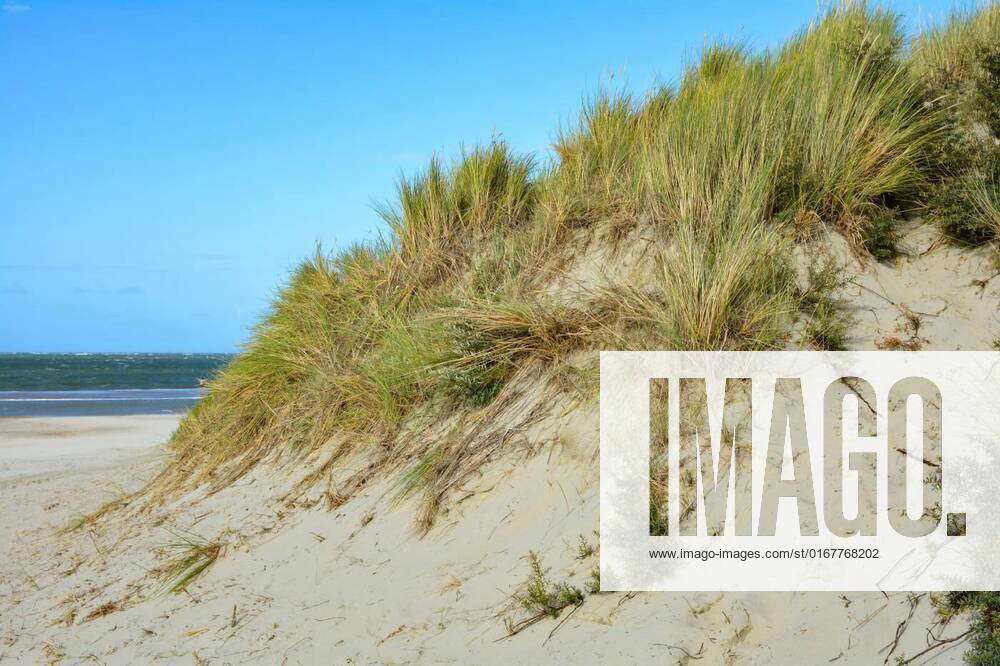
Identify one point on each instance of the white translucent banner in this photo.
(782, 471)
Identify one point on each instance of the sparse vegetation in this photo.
(826, 322)
(106, 608)
(594, 581)
(120, 500)
(541, 598)
(193, 556)
(985, 631)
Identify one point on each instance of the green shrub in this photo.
(880, 236)
(826, 322)
(542, 597)
(985, 610)
(960, 64)
(961, 209)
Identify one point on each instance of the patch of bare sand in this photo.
(934, 296)
(33, 446)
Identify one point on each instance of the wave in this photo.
(111, 395)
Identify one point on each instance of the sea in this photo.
(103, 384)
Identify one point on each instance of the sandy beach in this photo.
(53, 470)
(34, 446)
(298, 583)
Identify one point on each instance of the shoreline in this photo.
(98, 402)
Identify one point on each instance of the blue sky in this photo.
(164, 165)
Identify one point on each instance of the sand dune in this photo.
(304, 579)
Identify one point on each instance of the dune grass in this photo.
(119, 500)
(193, 555)
(717, 177)
(959, 63)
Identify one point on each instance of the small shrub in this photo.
(545, 598)
(880, 236)
(958, 206)
(584, 549)
(827, 328)
(541, 598)
(827, 323)
(985, 610)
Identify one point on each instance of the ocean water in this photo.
(103, 384)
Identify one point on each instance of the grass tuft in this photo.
(193, 556)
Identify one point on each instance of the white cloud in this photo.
(11, 7)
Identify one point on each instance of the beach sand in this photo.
(357, 585)
(55, 469)
(34, 446)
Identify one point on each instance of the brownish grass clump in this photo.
(104, 609)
